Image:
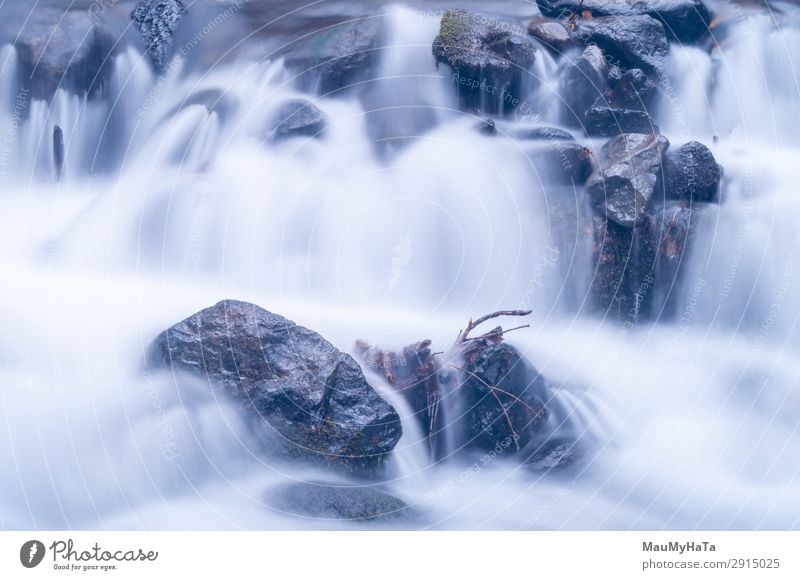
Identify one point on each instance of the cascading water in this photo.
(401, 223)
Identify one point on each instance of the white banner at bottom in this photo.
(417, 555)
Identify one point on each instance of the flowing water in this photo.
(400, 224)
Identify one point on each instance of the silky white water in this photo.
(400, 224)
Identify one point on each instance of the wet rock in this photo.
(630, 42)
(684, 20)
(637, 271)
(503, 398)
(298, 118)
(340, 502)
(337, 57)
(416, 373)
(583, 82)
(603, 121)
(665, 236)
(487, 127)
(157, 21)
(551, 33)
(489, 59)
(63, 49)
(315, 397)
(554, 455)
(544, 134)
(630, 168)
(692, 174)
(631, 89)
(612, 250)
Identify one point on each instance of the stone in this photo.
(157, 21)
(630, 168)
(313, 396)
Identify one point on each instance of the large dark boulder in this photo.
(503, 399)
(157, 21)
(298, 118)
(692, 174)
(684, 20)
(337, 57)
(489, 59)
(338, 502)
(63, 49)
(630, 42)
(315, 397)
(583, 81)
(630, 169)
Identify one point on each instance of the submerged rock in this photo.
(561, 162)
(544, 134)
(489, 59)
(157, 21)
(314, 396)
(340, 502)
(63, 49)
(630, 168)
(298, 118)
(692, 174)
(630, 42)
(554, 455)
(684, 20)
(503, 398)
(335, 58)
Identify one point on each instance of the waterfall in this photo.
(399, 222)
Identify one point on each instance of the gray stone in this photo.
(630, 168)
(314, 396)
(340, 502)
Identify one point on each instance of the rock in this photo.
(631, 89)
(551, 33)
(630, 42)
(565, 162)
(603, 121)
(582, 83)
(630, 168)
(314, 396)
(692, 174)
(544, 134)
(638, 270)
(503, 398)
(487, 127)
(416, 373)
(488, 58)
(613, 247)
(554, 455)
(298, 118)
(63, 49)
(684, 20)
(337, 57)
(664, 239)
(157, 21)
(58, 151)
(340, 502)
